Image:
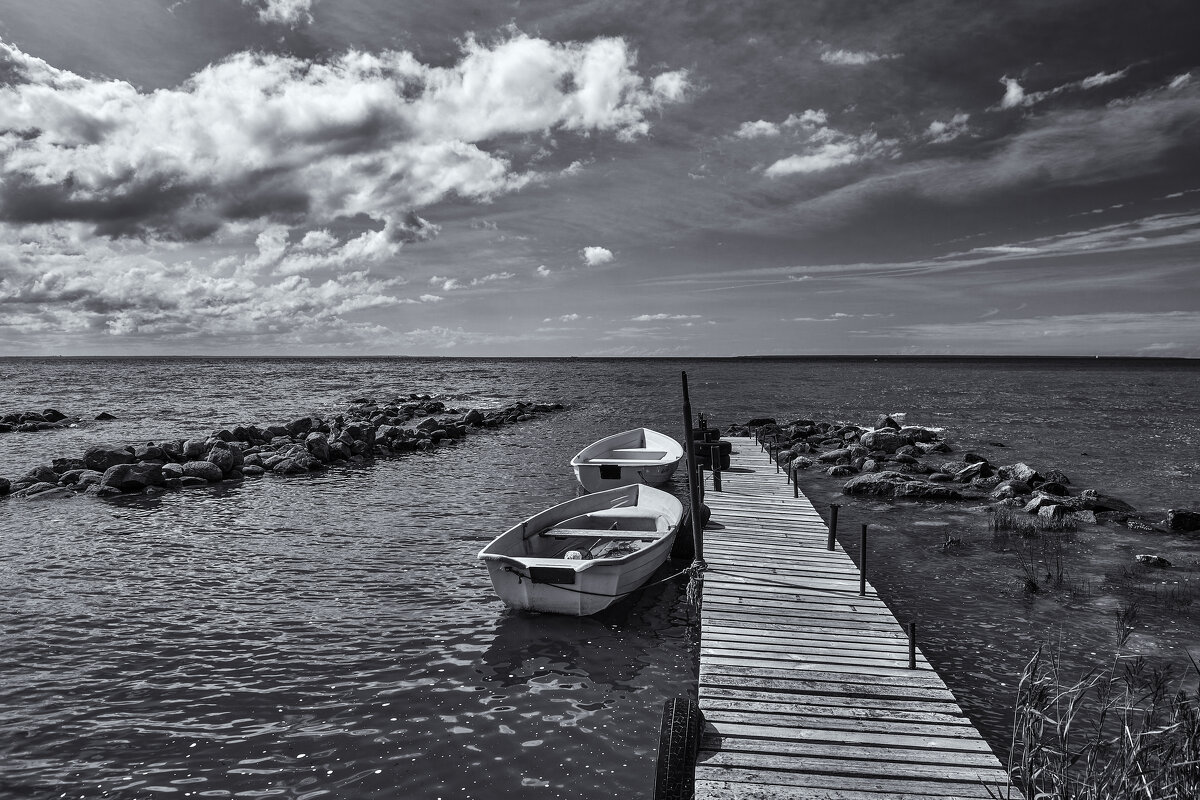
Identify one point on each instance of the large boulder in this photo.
(53, 415)
(195, 449)
(888, 441)
(5, 486)
(226, 455)
(897, 484)
(103, 456)
(203, 469)
(318, 445)
(1022, 472)
(1091, 500)
(39, 474)
(1179, 519)
(1011, 488)
(133, 477)
(884, 421)
(915, 433)
(295, 464)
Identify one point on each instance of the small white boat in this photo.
(581, 556)
(637, 456)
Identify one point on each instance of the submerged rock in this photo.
(1153, 561)
(1179, 519)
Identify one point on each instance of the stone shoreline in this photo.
(911, 462)
(362, 431)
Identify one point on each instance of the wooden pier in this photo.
(805, 685)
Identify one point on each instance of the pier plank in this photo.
(804, 684)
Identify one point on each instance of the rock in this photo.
(5, 486)
(221, 457)
(1054, 488)
(1179, 519)
(86, 478)
(1052, 512)
(941, 477)
(933, 447)
(884, 421)
(1153, 561)
(1057, 476)
(40, 474)
(150, 452)
(1011, 488)
(51, 415)
(1022, 472)
(104, 416)
(252, 470)
(474, 417)
(1091, 500)
(318, 446)
(296, 464)
(801, 462)
(61, 465)
(897, 484)
(759, 422)
(978, 469)
(974, 458)
(37, 490)
(888, 441)
(101, 457)
(1085, 516)
(1038, 503)
(834, 456)
(207, 470)
(133, 477)
(194, 449)
(840, 471)
(915, 433)
(172, 471)
(188, 481)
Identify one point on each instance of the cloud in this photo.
(563, 318)
(1015, 95)
(283, 12)
(829, 148)
(942, 132)
(756, 130)
(272, 137)
(544, 271)
(854, 58)
(809, 118)
(446, 284)
(660, 317)
(594, 256)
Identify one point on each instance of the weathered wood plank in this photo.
(804, 684)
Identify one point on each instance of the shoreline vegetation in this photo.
(1124, 729)
(362, 431)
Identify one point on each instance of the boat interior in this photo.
(599, 534)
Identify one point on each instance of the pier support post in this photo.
(833, 512)
(714, 457)
(862, 563)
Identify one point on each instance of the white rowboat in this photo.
(637, 456)
(581, 556)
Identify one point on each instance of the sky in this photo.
(617, 178)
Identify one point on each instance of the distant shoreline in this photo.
(933, 359)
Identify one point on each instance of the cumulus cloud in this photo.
(828, 148)
(594, 256)
(543, 271)
(283, 12)
(662, 317)
(756, 130)
(564, 318)
(1014, 95)
(809, 118)
(262, 136)
(854, 58)
(941, 132)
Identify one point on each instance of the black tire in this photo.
(678, 744)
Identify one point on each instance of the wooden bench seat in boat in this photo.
(591, 533)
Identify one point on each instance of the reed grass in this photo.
(1127, 730)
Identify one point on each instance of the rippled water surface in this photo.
(333, 635)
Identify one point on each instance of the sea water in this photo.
(333, 635)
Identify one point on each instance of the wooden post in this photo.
(833, 512)
(862, 563)
(795, 481)
(714, 456)
(912, 645)
(694, 489)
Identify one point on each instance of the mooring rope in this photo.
(694, 571)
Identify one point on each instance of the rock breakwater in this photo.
(888, 460)
(360, 432)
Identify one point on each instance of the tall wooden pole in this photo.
(693, 476)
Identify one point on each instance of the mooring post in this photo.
(695, 491)
(833, 512)
(714, 455)
(862, 563)
(912, 645)
(795, 481)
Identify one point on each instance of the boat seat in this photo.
(591, 533)
(638, 452)
(644, 461)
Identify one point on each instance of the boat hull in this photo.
(581, 556)
(638, 456)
